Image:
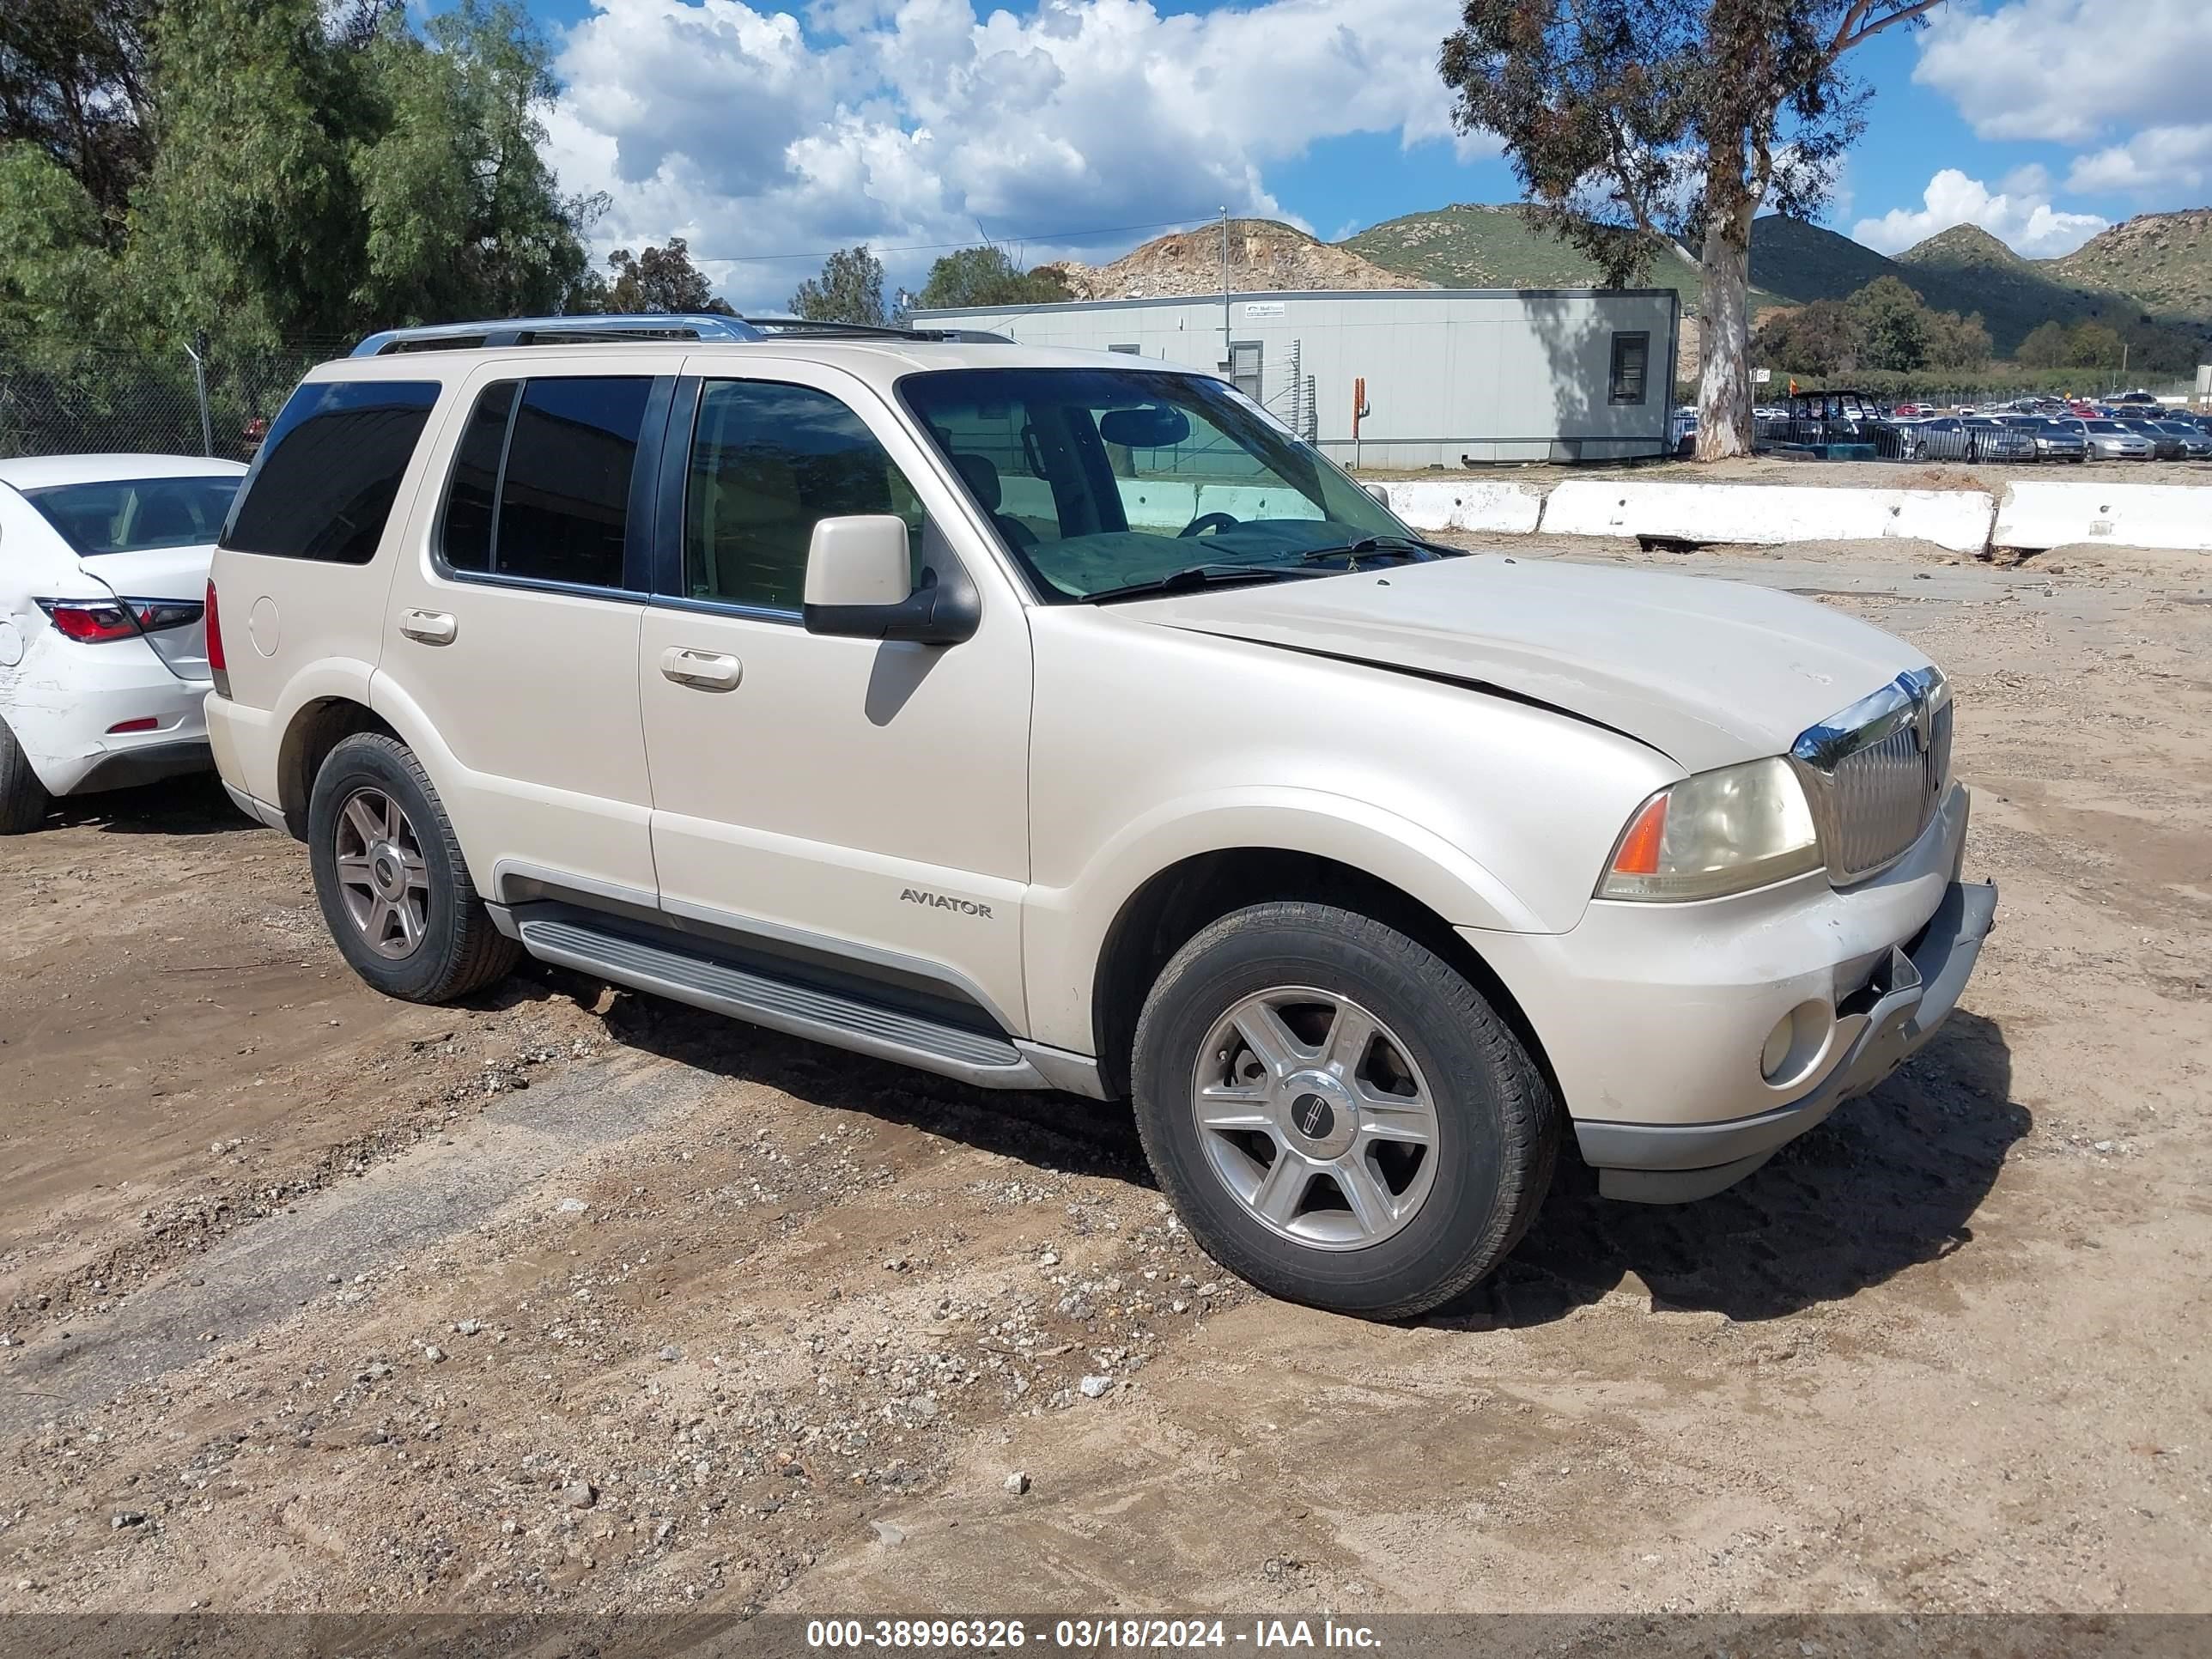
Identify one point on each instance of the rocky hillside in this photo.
(2164, 259)
(1262, 255)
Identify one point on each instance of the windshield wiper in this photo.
(1199, 576)
(1402, 547)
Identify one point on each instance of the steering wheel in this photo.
(1206, 521)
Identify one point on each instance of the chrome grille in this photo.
(1875, 772)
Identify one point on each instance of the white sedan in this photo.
(103, 646)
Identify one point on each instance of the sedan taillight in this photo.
(98, 622)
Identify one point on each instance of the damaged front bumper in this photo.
(1909, 996)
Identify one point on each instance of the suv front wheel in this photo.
(394, 889)
(1337, 1113)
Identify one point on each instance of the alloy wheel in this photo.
(383, 879)
(1316, 1117)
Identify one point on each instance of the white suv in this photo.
(1048, 720)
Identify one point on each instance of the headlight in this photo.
(1718, 833)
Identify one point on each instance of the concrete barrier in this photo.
(1766, 513)
(2041, 515)
(1509, 509)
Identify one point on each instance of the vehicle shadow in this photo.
(1890, 1181)
(191, 806)
(1062, 1133)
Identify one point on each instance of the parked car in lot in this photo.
(2109, 441)
(103, 664)
(2054, 439)
(1952, 438)
(2165, 445)
(2177, 440)
(1040, 719)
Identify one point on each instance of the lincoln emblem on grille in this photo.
(1923, 720)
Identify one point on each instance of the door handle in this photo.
(431, 626)
(708, 671)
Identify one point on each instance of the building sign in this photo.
(1264, 308)
(1762, 376)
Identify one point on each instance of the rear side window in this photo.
(323, 484)
(541, 482)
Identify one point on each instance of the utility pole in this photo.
(1226, 356)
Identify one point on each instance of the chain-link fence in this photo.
(93, 400)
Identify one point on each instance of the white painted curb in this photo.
(2041, 515)
(1766, 513)
(1510, 509)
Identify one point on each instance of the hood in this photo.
(1708, 672)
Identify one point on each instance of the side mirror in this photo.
(1380, 492)
(858, 585)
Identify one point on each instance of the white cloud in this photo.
(903, 122)
(2162, 159)
(2062, 71)
(2024, 221)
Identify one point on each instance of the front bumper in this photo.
(1893, 1015)
(1656, 1019)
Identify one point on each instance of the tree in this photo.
(1820, 339)
(462, 217)
(850, 290)
(2093, 345)
(988, 276)
(74, 83)
(1630, 122)
(661, 279)
(2045, 346)
(1956, 341)
(1893, 324)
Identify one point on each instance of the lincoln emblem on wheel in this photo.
(1313, 1117)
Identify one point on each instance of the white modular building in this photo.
(1405, 378)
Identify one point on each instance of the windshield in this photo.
(2109, 426)
(1101, 479)
(130, 515)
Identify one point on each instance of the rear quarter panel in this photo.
(296, 631)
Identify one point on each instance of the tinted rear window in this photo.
(541, 482)
(323, 484)
(130, 515)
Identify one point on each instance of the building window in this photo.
(1632, 362)
(1129, 351)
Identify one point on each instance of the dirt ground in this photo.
(574, 1300)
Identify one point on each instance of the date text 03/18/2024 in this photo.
(1084, 1635)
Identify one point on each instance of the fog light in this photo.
(1797, 1042)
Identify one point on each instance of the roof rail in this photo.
(539, 331)
(778, 325)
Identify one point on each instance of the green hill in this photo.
(2155, 269)
(2164, 259)
(1469, 244)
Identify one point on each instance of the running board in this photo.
(843, 1022)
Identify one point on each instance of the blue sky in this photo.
(780, 128)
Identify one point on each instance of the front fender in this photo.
(1065, 929)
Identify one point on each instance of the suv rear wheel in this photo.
(395, 891)
(1337, 1113)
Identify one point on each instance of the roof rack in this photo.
(669, 326)
(542, 330)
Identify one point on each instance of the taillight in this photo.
(98, 622)
(218, 669)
